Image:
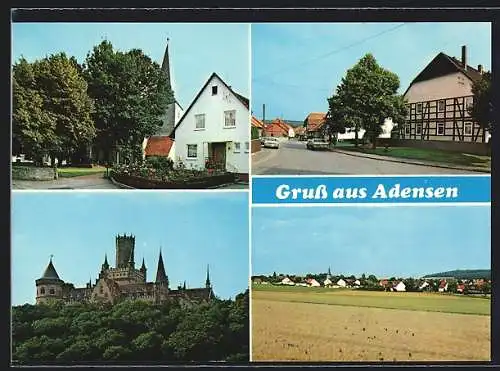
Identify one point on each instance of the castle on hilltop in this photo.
(123, 281)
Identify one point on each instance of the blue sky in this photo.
(196, 49)
(296, 66)
(385, 241)
(193, 228)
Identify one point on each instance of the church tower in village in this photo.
(173, 111)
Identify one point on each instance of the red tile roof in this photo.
(315, 120)
(159, 146)
(277, 128)
(257, 123)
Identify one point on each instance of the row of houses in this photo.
(438, 102)
(396, 285)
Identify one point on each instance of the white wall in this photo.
(178, 113)
(449, 86)
(213, 106)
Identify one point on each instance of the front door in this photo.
(219, 154)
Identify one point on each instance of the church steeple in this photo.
(207, 281)
(165, 66)
(329, 275)
(169, 117)
(161, 276)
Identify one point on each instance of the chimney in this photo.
(464, 56)
(480, 68)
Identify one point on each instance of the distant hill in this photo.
(463, 274)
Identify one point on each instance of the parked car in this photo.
(317, 143)
(271, 142)
(262, 140)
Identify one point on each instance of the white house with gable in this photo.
(215, 128)
(287, 281)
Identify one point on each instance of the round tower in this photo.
(124, 251)
(49, 287)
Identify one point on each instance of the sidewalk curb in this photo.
(120, 185)
(404, 161)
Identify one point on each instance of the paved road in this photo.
(94, 181)
(292, 158)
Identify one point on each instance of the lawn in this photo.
(411, 301)
(69, 172)
(431, 155)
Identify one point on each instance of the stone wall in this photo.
(33, 173)
(482, 149)
(256, 145)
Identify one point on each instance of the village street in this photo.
(292, 158)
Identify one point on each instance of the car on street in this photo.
(271, 142)
(317, 143)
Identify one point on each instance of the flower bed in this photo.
(143, 177)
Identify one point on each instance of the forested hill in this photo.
(464, 274)
(131, 332)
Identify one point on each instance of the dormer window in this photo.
(214, 90)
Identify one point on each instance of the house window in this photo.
(230, 118)
(42, 291)
(192, 151)
(200, 121)
(440, 128)
(468, 103)
(214, 90)
(52, 292)
(419, 107)
(468, 128)
(247, 147)
(441, 105)
(407, 129)
(237, 147)
(419, 129)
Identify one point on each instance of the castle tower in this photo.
(161, 282)
(143, 269)
(124, 250)
(49, 286)
(161, 276)
(207, 281)
(168, 118)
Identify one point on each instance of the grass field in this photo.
(69, 172)
(306, 324)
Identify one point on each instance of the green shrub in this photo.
(255, 133)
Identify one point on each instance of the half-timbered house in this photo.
(438, 101)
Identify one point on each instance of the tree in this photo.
(131, 94)
(372, 278)
(366, 96)
(51, 108)
(482, 108)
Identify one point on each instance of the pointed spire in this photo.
(207, 281)
(161, 276)
(329, 272)
(143, 266)
(184, 286)
(165, 66)
(105, 265)
(50, 271)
